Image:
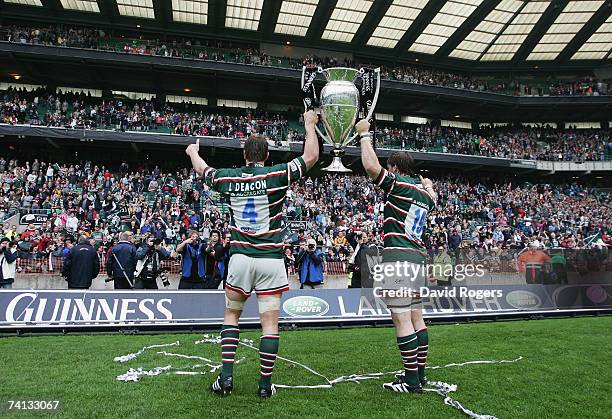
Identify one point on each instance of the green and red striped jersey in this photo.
(256, 195)
(406, 207)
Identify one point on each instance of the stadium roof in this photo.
(473, 32)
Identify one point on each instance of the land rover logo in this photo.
(305, 306)
(523, 300)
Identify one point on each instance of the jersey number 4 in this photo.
(248, 212)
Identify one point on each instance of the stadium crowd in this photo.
(70, 110)
(80, 37)
(41, 107)
(531, 143)
(479, 214)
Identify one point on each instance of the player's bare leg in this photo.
(269, 308)
(230, 336)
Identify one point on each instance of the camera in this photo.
(163, 276)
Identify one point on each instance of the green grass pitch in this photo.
(565, 373)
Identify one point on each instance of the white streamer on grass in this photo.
(441, 388)
(129, 357)
(135, 374)
(438, 387)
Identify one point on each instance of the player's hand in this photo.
(193, 148)
(310, 119)
(426, 182)
(362, 127)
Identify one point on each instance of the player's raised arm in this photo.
(311, 144)
(198, 163)
(368, 155)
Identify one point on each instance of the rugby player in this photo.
(406, 208)
(256, 196)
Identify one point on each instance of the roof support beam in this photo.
(319, 19)
(109, 9)
(269, 17)
(163, 12)
(216, 15)
(52, 6)
(423, 19)
(370, 22)
(585, 33)
(550, 15)
(467, 27)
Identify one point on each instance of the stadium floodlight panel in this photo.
(190, 11)
(136, 8)
(599, 45)
(573, 17)
(487, 31)
(134, 95)
(512, 37)
(396, 21)
(25, 2)
(295, 16)
(81, 5)
(187, 99)
(232, 103)
(243, 14)
(346, 19)
(443, 25)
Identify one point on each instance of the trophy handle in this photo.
(371, 111)
(312, 100)
(350, 140)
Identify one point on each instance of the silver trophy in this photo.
(341, 103)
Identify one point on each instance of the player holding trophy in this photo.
(406, 208)
(256, 195)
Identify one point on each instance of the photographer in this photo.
(148, 265)
(224, 263)
(121, 262)
(360, 259)
(194, 262)
(289, 259)
(214, 255)
(8, 262)
(309, 264)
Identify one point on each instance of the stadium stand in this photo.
(79, 111)
(487, 215)
(216, 50)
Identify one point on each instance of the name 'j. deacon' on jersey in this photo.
(256, 196)
(406, 207)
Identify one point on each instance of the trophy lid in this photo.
(340, 74)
